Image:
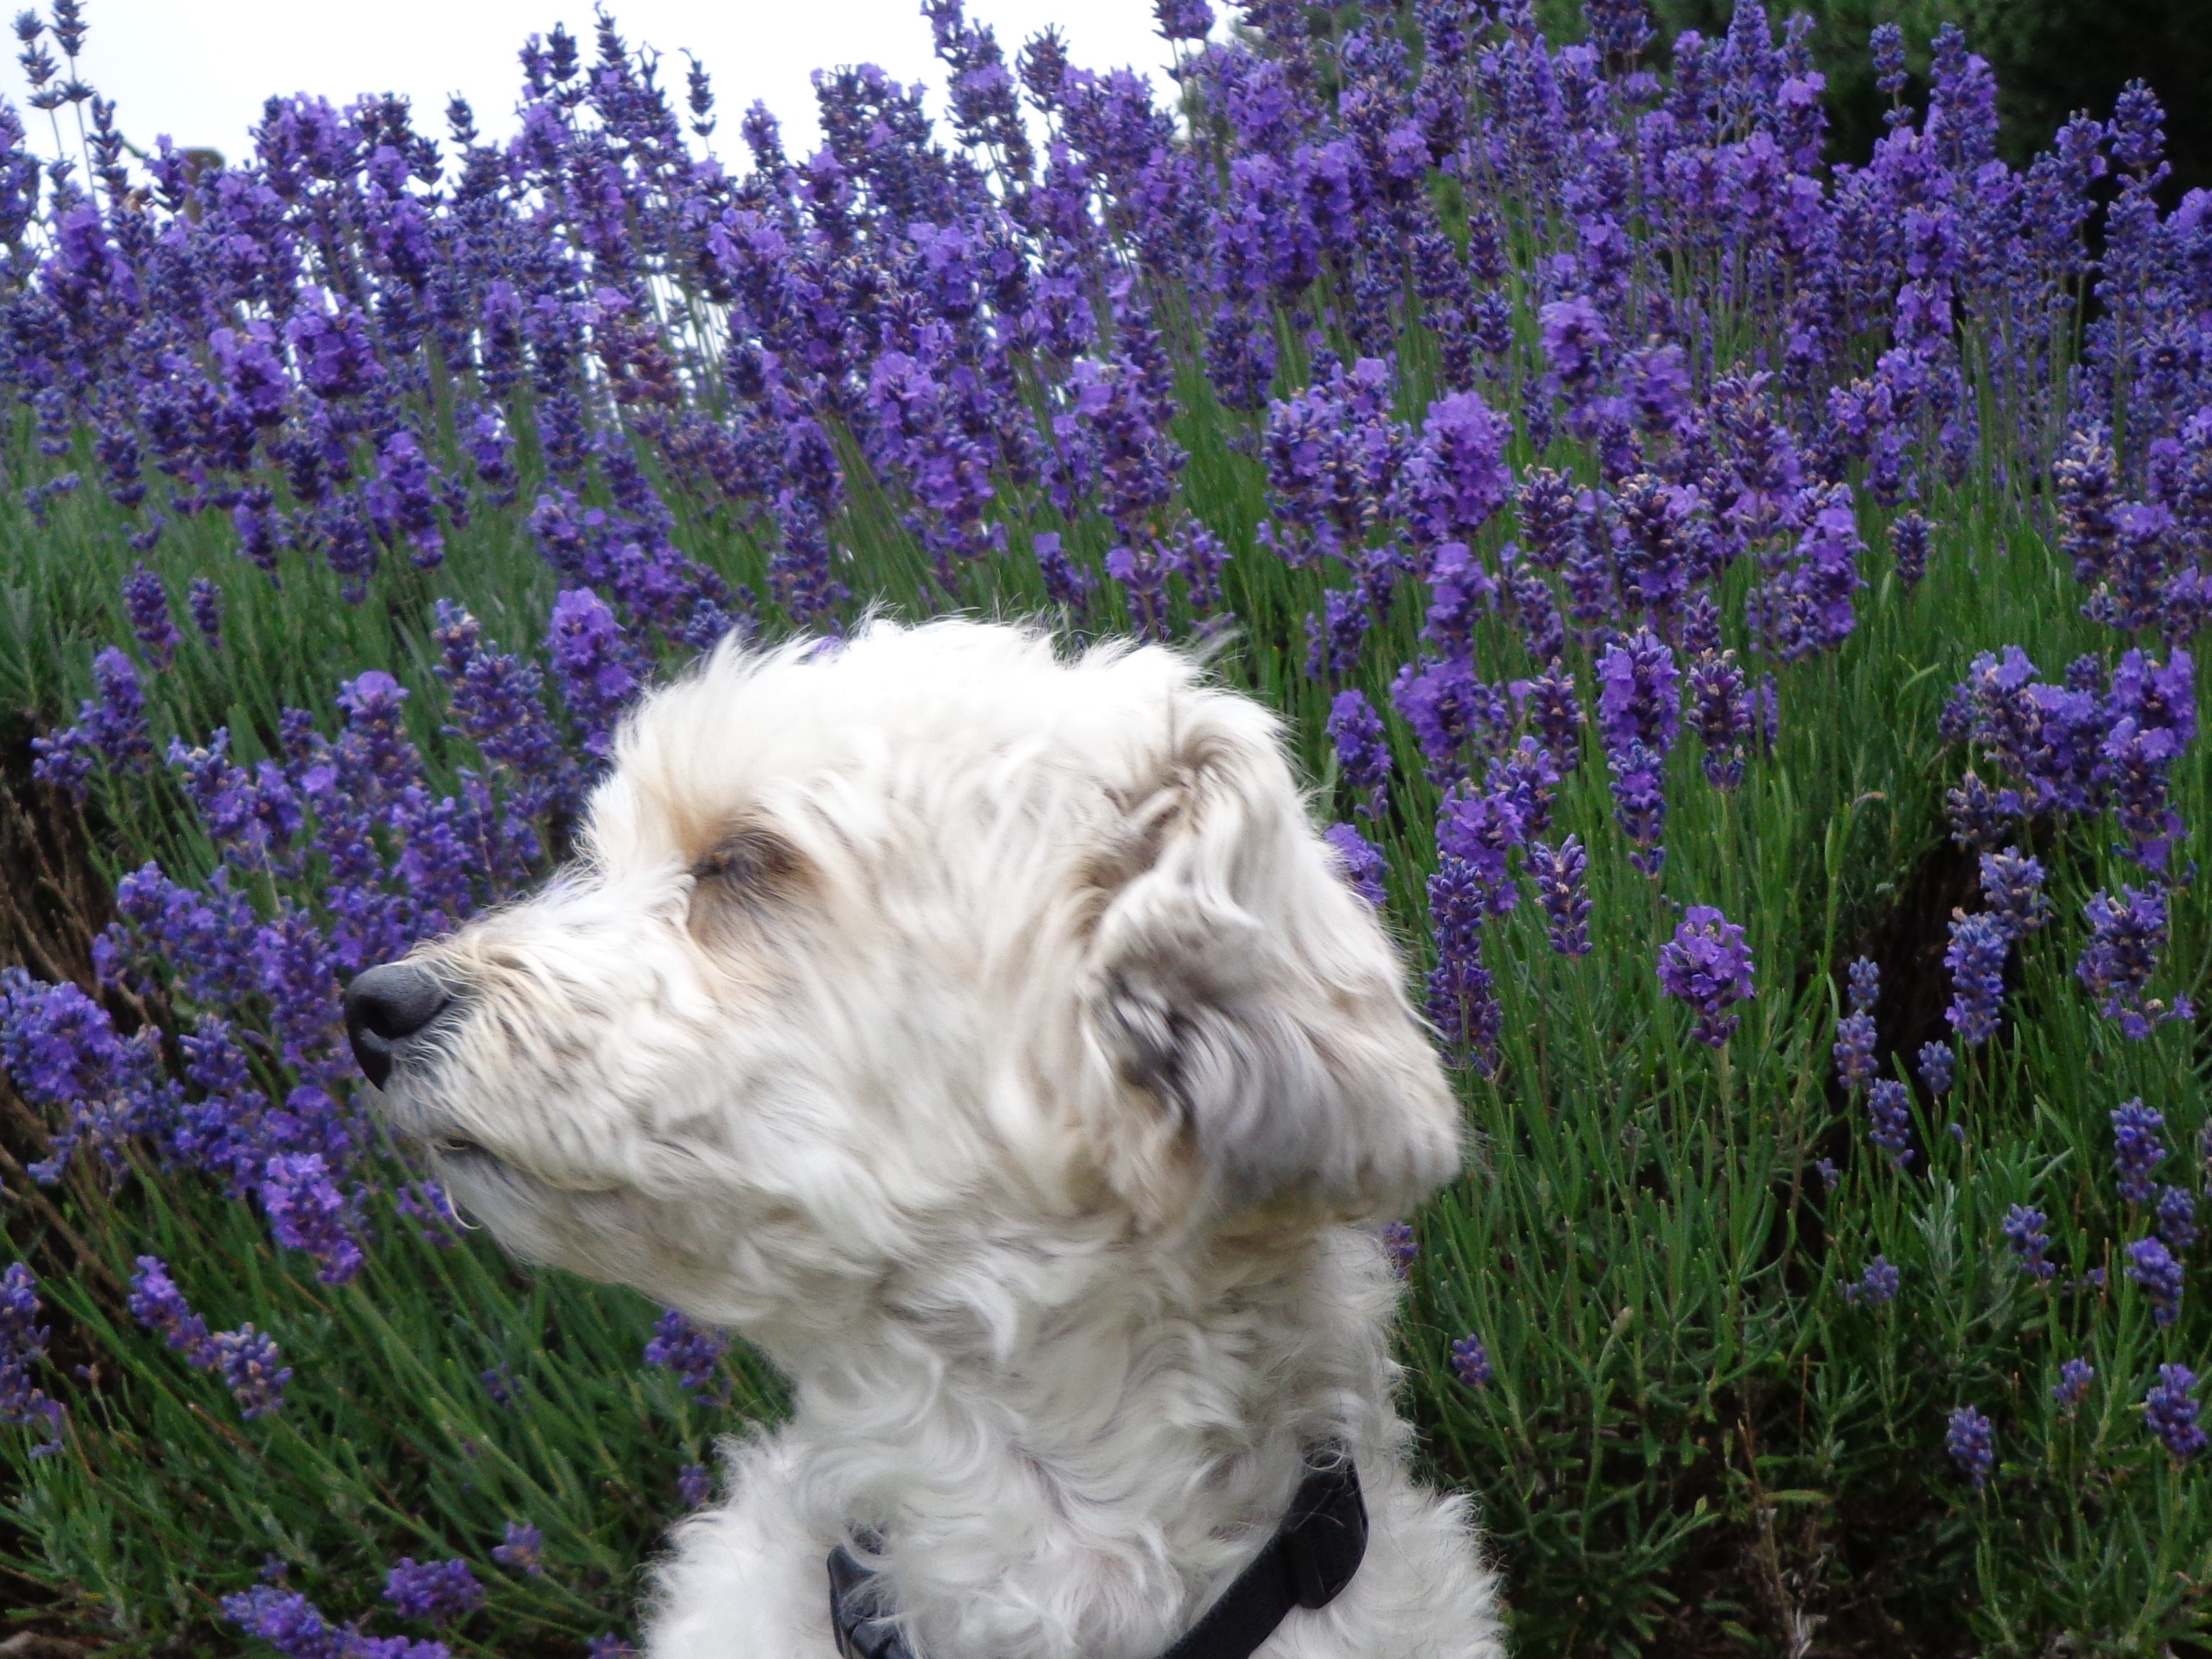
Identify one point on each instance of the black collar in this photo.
(1311, 1556)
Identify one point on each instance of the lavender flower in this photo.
(1363, 752)
(1855, 1067)
(2012, 886)
(253, 1370)
(2170, 1413)
(110, 730)
(2116, 965)
(1639, 804)
(22, 1345)
(2023, 1230)
(1399, 1245)
(307, 1212)
(204, 600)
(290, 1623)
(160, 1306)
(1937, 1060)
(590, 660)
(1877, 1285)
(1559, 877)
(437, 1592)
(2152, 1266)
(2072, 1387)
(693, 1352)
(695, 1485)
(2177, 1219)
(1864, 975)
(1470, 1362)
(1890, 1108)
(1975, 958)
(1909, 537)
(1463, 1001)
(2137, 1148)
(1720, 705)
(146, 603)
(609, 1646)
(1363, 862)
(504, 1387)
(523, 1551)
(1971, 1439)
(1637, 698)
(1708, 965)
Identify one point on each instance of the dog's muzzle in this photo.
(388, 1007)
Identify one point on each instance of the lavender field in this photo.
(1734, 605)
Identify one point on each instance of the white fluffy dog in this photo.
(989, 1038)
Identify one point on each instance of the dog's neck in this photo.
(1073, 1452)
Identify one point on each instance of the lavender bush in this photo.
(1782, 572)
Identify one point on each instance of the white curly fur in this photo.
(988, 1037)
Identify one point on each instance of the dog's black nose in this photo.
(385, 1006)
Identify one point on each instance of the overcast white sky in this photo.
(199, 69)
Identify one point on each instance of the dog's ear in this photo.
(1252, 998)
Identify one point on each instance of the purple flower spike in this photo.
(1890, 1107)
(1399, 1245)
(2023, 1230)
(2125, 937)
(1559, 877)
(1183, 19)
(2152, 1266)
(290, 1623)
(524, 1550)
(252, 1369)
(1470, 1362)
(146, 601)
(2072, 1387)
(2137, 1148)
(1708, 965)
(1720, 704)
(2013, 885)
(695, 1485)
(590, 659)
(693, 1352)
(437, 1592)
(1639, 804)
(1363, 862)
(2177, 1219)
(1972, 1441)
(1975, 958)
(1362, 752)
(205, 601)
(22, 1345)
(1855, 1065)
(307, 1212)
(1876, 1287)
(110, 731)
(1639, 699)
(1938, 1061)
(1462, 1001)
(2170, 1413)
(160, 1306)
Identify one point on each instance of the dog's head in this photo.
(880, 947)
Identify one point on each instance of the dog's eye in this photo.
(751, 859)
(736, 887)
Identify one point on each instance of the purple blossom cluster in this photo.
(1971, 1438)
(1707, 964)
(252, 1366)
(693, 1352)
